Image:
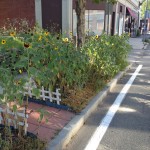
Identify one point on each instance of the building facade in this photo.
(60, 14)
(127, 16)
(17, 9)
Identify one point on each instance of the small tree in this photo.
(145, 5)
(80, 11)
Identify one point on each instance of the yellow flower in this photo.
(12, 34)
(3, 41)
(46, 33)
(65, 40)
(18, 82)
(56, 48)
(47, 40)
(40, 38)
(20, 71)
(26, 45)
(107, 43)
(71, 34)
(96, 36)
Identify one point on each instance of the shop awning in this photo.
(132, 13)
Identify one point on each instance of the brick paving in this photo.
(56, 120)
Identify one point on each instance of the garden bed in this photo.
(11, 140)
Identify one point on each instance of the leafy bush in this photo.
(107, 55)
(53, 61)
(138, 32)
(10, 50)
(10, 141)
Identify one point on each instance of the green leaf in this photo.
(14, 108)
(41, 117)
(36, 92)
(32, 71)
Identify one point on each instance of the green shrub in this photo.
(138, 32)
(107, 55)
(53, 61)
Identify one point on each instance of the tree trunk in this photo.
(80, 11)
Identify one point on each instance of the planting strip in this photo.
(65, 135)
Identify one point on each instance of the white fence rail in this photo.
(15, 119)
(44, 94)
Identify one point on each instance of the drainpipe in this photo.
(38, 12)
(145, 19)
(107, 18)
(124, 17)
(66, 17)
(116, 18)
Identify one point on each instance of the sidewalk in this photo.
(67, 122)
(137, 47)
(57, 119)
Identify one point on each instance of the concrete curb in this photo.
(65, 135)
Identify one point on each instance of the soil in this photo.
(9, 140)
(78, 99)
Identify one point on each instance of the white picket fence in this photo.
(19, 118)
(44, 94)
(15, 119)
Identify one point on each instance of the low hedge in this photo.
(54, 61)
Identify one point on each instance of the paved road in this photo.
(130, 127)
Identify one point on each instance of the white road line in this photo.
(102, 128)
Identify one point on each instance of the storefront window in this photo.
(74, 23)
(94, 22)
(121, 25)
(117, 24)
(108, 24)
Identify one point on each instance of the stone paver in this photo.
(44, 133)
(56, 120)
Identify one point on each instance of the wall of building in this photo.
(17, 9)
(67, 17)
(127, 20)
(120, 17)
(52, 14)
(132, 4)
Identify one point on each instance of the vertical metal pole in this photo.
(116, 23)
(124, 17)
(145, 19)
(107, 18)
